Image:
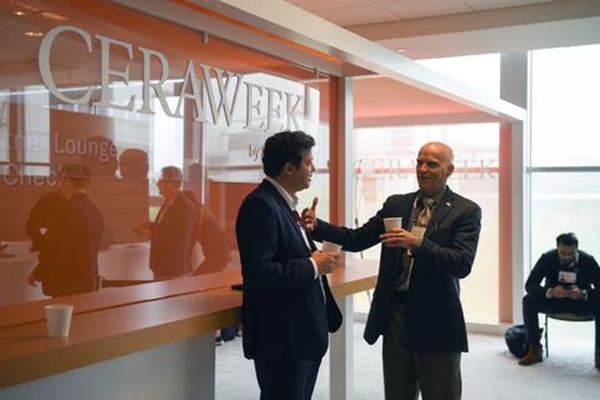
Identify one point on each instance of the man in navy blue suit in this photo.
(287, 308)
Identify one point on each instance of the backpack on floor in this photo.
(229, 333)
(516, 341)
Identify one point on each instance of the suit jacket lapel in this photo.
(439, 212)
(311, 242)
(407, 209)
(334, 315)
(161, 214)
(286, 211)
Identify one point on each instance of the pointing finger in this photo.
(315, 201)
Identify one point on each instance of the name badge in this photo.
(567, 277)
(418, 231)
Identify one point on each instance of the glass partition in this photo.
(123, 98)
(385, 164)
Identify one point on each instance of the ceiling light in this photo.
(26, 7)
(33, 34)
(54, 17)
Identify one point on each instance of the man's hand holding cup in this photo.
(326, 261)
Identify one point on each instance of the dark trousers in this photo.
(436, 375)
(532, 305)
(286, 379)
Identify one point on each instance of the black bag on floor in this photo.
(228, 333)
(516, 341)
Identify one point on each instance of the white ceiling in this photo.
(358, 12)
(437, 28)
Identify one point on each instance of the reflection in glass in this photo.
(66, 228)
(211, 127)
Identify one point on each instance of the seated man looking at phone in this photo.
(571, 282)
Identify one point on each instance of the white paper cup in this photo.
(330, 247)
(392, 222)
(58, 319)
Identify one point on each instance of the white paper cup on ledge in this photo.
(392, 222)
(58, 320)
(330, 247)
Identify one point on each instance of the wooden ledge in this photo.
(28, 354)
(355, 277)
(162, 313)
(32, 312)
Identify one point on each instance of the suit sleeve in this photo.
(260, 233)
(456, 259)
(187, 227)
(594, 294)
(37, 219)
(538, 273)
(358, 239)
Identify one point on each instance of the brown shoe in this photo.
(533, 356)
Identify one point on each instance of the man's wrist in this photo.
(417, 242)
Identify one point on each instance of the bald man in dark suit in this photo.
(172, 233)
(416, 304)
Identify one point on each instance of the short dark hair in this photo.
(283, 147)
(77, 174)
(567, 239)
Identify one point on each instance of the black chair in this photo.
(571, 317)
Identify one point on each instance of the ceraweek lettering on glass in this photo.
(267, 109)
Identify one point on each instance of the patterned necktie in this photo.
(422, 221)
(425, 214)
(297, 218)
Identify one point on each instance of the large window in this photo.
(481, 72)
(24, 138)
(565, 138)
(385, 164)
(564, 108)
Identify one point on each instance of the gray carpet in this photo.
(490, 372)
